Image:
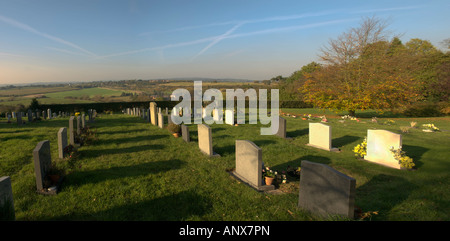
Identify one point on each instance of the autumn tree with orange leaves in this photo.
(363, 70)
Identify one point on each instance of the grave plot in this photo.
(47, 180)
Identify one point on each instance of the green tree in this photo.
(34, 104)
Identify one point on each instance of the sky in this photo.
(97, 40)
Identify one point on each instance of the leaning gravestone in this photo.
(42, 165)
(379, 143)
(62, 141)
(6, 200)
(325, 191)
(249, 165)
(185, 132)
(153, 117)
(205, 140)
(320, 136)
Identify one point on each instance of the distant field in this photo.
(57, 95)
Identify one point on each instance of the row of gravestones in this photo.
(323, 190)
(45, 115)
(42, 165)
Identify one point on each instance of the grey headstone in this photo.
(6, 199)
(83, 120)
(42, 162)
(49, 113)
(62, 141)
(249, 165)
(282, 128)
(71, 130)
(325, 191)
(19, 118)
(78, 125)
(185, 132)
(30, 115)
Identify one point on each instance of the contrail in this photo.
(27, 28)
(218, 39)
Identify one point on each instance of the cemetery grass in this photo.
(136, 171)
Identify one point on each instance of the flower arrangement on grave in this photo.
(323, 119)
(71, 155)
(293, 171)
(374, 120)
(77, 113)
(430, 128)
(52, 175)
(268, 175)
(404, 160)
(389, 122)
(360, 150)
(413, 124)
(87, 136)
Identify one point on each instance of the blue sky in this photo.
(90, 40)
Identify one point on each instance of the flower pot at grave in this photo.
(268, 180)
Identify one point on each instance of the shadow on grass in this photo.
(297, 133)
(382, 193)
(96, 176)
(344, 140)
(415, 152)
(297, 162)
(132, 149)
(131, 139)
(121, 131)
(172, 207)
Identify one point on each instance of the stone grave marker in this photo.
(325, 191)
(160, 120)
(71, 130)
(379, 143)
(229, 117)
(185, 132)
(19, 118)
(30, 116)
(205, 140)
(62, 141)
(6, 199)
(249, 165)
(49, 113)
(282, 128)
(83, 120)
(153, 114)
(320, 137)
(42, 165)
(78, 125)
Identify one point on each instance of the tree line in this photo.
(368, 67)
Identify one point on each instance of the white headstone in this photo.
(379, 143)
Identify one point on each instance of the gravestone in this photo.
(14, 115)
(282, 128)
(19, 118)
(229, 117)
(71, 131)
(205, 140)
(78, 125)
(325, 191)
(83, 121)
(9, 118)
(153, 117)
(30, 115)
(185, 132)
(160, 120)
(320, 137)
(379, 143)
(6, 200)
(42, 165)
(62, 141)
(49, 113)
(249, 165)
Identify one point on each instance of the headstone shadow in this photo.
(344, 140)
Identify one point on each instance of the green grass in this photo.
(136, 171)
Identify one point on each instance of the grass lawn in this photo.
(136, 171)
